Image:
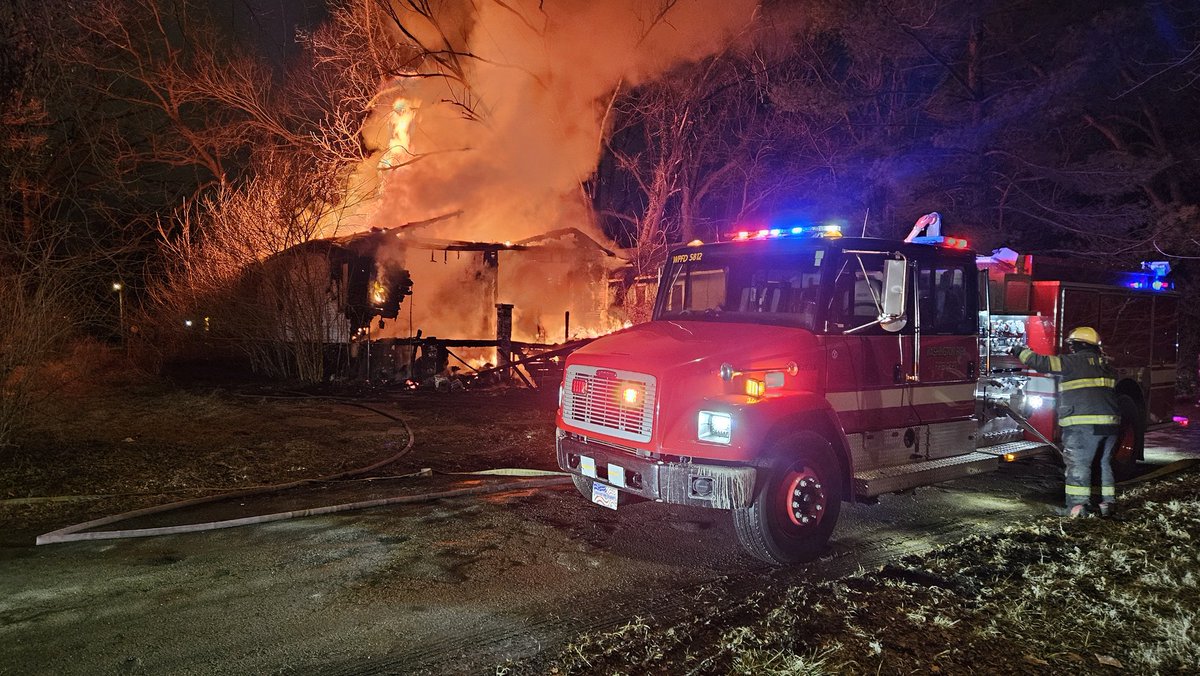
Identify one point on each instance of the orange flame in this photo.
(399, 147)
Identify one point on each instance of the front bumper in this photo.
(698, 485)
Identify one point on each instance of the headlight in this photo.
(714, 427)
(1035, 401)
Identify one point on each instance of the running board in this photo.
(1015, 450)
(875, 482)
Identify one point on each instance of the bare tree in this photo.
(51, 253)
(243, 263)
(697, 146)
(246, 271)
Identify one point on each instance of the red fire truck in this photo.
(792, 369)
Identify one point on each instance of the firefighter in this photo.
(1088, 414)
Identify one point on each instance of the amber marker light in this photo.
(630, 395)
(755, 388)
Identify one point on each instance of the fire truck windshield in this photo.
(743, 286)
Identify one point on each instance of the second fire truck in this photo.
(792, 369)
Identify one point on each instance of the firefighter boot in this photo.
(1073, 511)
(1108, 509)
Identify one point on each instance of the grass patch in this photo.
(1048, 596)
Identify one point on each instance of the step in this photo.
(1015, 450)
(871, 483)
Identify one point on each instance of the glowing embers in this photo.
(378, 293)
(831, 230)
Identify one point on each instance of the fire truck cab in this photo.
(789, 370)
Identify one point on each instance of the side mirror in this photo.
(895, 285)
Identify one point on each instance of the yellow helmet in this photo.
(1084, 334)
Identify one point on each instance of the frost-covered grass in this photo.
(1089, 596)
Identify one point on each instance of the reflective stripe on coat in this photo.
(1086, 394)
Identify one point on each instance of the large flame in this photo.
(498, 149)
(398, 150)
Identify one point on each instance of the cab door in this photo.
(947, 352)
(869, 369)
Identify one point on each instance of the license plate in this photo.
(587, 466)
(604, 495)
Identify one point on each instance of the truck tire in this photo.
(1131, 438)
(796, 503)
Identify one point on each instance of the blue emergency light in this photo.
(1152, 277)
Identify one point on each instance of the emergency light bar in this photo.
(808, 231)
(948, 242)
(1152, 277)
(1143, 282)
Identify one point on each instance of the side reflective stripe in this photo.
(1089, 420)
(1108, 491)
(1088, 382)
(1079, 490)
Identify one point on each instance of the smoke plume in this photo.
(492, 142)
(510, 143)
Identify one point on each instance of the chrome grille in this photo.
(601, 405)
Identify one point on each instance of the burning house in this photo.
(466, 220)
(416, 308)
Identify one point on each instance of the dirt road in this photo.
(455, 586)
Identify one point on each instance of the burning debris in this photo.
(495, 304)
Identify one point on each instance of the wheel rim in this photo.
(803, 498)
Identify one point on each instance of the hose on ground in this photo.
(72, 533)
(1177, 466)
(83, 531)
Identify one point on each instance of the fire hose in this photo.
(1027, 426)
(82, 531)
(1023, 422)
